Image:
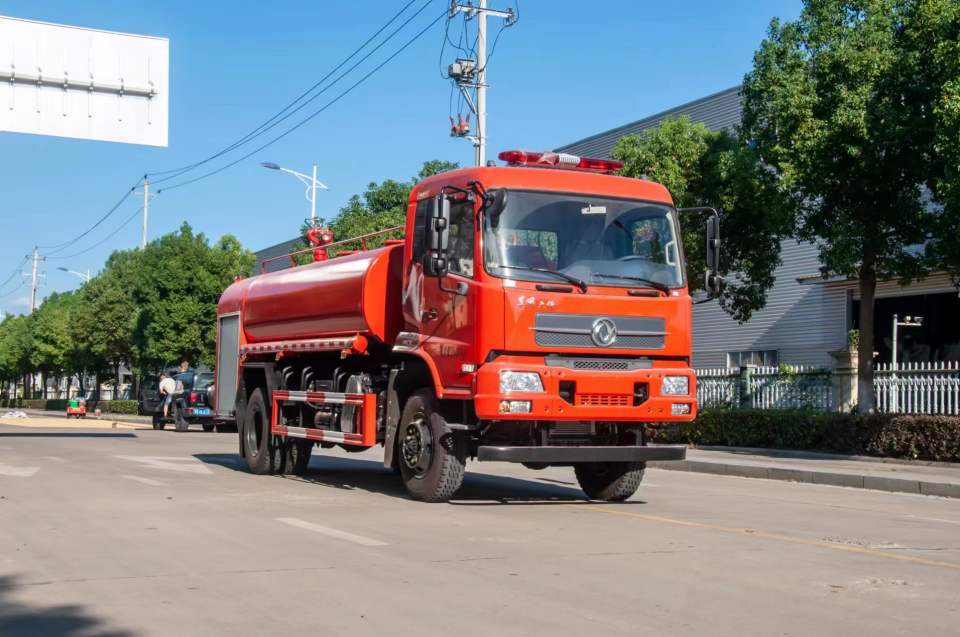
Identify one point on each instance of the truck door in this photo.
(448, 318)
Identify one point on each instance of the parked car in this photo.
(192, 406)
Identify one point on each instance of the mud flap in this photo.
(392, 418)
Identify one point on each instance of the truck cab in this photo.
(537, 312)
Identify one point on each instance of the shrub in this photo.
(106, 406)
(886, 435)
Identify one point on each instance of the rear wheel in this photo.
(610, 481)
(158, 421)
(296, 456)
(260, 447)
(430, 454)
(208, 426)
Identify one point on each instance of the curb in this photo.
(853, 480)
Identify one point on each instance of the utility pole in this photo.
(475, 76)
(146, 211)
(33, 279)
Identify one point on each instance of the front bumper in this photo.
(598, 395)
(572, 454)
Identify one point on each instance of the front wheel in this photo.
(158, 422)
(610, 481)
(430, 454)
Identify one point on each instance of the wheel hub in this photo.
(417, 446)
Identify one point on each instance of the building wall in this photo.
(802, 321)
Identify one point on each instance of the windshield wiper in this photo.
(580, 283)
(650, 282)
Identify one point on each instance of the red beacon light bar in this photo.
(559, 160)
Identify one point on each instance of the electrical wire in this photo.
(6, 294)
(104, 240)
(61, 246)
(313, 114)
(16, 271)
(283, 114)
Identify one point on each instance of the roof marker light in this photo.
(559, 160)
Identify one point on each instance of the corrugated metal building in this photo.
(805, 317)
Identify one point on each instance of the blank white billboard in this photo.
(84, 83)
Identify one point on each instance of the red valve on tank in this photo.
(320, 237)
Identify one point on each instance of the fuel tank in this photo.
(346, 295)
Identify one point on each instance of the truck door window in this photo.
(461, 238)
(420, 229)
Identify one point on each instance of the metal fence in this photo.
(918, 388)
(765, 388)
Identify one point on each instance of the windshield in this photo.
(204, 380)
(597, 240)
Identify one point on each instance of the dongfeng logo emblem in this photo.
(603, 332)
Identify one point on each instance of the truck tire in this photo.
(157, 421)
(610, 481)
(261, 449)
(296, 456)
(431, 455)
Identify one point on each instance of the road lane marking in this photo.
(920, 517)
(171, 463)
(152, 483)
(54, 458)
(779, 537)
(323, 530)
(17, 472)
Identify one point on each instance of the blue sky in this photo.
(567, 70)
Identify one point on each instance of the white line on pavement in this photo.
(17, 472)
(920, 517)
(171, 463)
(323, 530)
(54, 458)
(152, 483)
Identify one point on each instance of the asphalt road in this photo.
(122, 532)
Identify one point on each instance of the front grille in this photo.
(599, 364)
(571, 428)
(573, 331)
(604, 400)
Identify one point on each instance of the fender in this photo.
(392, 419)
(409, 343)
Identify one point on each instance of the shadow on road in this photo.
(18, 619)
(63, 434)
(369, 475)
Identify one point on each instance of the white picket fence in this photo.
(765, 388)
(918, 388)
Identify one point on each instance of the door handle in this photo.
(430, 315)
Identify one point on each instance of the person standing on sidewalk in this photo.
(167, 389)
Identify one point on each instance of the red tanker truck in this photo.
(536, 313)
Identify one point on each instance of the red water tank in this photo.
(355, 294)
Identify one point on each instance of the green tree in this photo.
(16, 346)
(843, 104)
(701, 167)
(51, 336)
(175, 287)
(103, 324)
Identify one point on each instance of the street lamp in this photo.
(310, 182)
(84, 277)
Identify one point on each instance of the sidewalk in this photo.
(127, 418)
(926, 478)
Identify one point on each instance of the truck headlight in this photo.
(520, 382)
(675, 386)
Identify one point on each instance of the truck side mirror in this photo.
(713, 279)
(437, 237)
